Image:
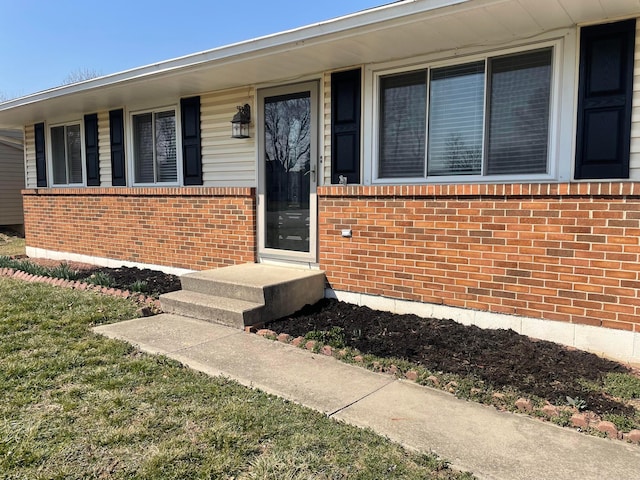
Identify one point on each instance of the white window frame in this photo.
(130, 147)
(561, 113)
(49, 150)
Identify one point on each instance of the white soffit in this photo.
(395, 31)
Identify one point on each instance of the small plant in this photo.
(333, 337)
(100, 278)
(622, 385)
(577, 403)
(139, 286)
(34, 268)
(64, 271)
(622, 422)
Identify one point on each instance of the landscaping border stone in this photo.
(580, 421)
(149, 305)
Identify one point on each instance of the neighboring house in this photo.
(11, 179)
(491, 150)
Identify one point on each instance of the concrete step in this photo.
(282, 290)
(211, 308)
(244, 295)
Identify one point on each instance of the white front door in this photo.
(288, 165)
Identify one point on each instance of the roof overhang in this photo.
(395, 31)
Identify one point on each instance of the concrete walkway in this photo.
(473, 437)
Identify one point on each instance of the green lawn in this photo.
(77, 405)
(11, 244)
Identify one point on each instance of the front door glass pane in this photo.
(287, 124)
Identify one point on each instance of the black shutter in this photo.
(604, 100)
(345, 126)
(191, 149)
(116, 135)
(41, 160)
(91, 149)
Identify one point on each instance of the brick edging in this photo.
(151, 305)
(582, 421)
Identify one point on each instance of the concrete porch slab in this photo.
(254, 274)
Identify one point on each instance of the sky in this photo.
(44, 41)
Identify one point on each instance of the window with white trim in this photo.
(67, 165)
(482, 118)
(155, 158)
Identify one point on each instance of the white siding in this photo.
(104, 149)
(226, 161)
(30, 156)
(326, 130)
(11, 182)
(634, 160)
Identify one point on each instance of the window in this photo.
(155, 147)
(455, 120)
(66, 154)
(402, 130)
(487, 117)
(519, 113)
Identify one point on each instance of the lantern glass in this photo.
(236, 128)
(240, 122)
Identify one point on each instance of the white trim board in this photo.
(620, 345)
(100, 261)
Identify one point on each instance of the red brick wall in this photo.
(565, 252)
(194, 228)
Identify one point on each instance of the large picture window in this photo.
(66, 154)
(155, 147)
(487, 117)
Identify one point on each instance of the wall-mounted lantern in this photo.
(240, 122)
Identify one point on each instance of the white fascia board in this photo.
(248, 49)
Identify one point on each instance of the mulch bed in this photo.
(123, 277)
(501, 358)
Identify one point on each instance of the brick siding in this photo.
(564, 252)
(193, 228)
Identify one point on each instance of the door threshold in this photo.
(281, 262)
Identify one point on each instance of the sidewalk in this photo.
(473, 437)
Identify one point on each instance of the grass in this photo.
(11, 243)
(77, 405)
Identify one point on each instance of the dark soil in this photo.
(123, 278)
(156, 283)
(500, 358)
